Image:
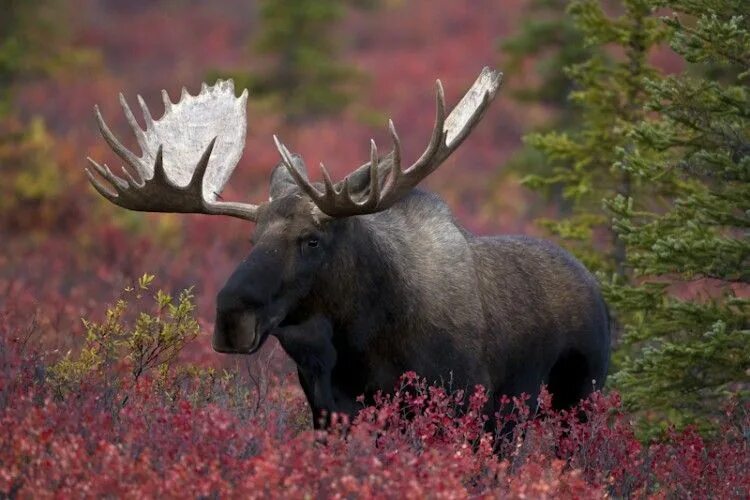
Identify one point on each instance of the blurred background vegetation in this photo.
(623, 132)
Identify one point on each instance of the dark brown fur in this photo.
(410, 289)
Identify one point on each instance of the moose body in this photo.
(370, 277)
(409, 289)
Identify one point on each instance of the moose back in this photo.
(366, 278)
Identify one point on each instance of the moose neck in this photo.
(364, 277)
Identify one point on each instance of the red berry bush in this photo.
(124, 417)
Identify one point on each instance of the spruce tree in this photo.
(687, 334)
(547, 42)
(304, 76)
(553, 42)
(610, 92)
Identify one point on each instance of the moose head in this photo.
(189, 155)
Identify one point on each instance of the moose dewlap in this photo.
(364, 279)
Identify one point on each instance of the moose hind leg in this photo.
(570, 380)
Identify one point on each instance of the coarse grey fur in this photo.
(409, 289)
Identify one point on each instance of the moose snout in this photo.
(246, 305)
(236, 332)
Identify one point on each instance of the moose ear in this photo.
(282, 183)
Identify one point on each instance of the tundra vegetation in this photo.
(639, 152)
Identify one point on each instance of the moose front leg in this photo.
(309, 344)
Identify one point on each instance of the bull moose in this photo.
(364, 279)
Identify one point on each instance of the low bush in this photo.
(124, 418)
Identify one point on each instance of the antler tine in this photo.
(196, 183)
(373, 153)
(114, 143)
(97, 184)
(105, 173)
(137, 130)
(438, 132)
(303, 183)
(132, 180)
(330, 191)
(166, 100)
(374, 197)
(160, 176)
(395, 172)
(396, 149)
(146, 113)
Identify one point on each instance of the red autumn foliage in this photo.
(420, 441)
(65, 253)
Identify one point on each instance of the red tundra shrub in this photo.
(202, 433)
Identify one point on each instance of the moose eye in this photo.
(308, 242)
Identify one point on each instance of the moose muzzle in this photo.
(238, 332)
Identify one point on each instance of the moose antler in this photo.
(176, 171)
(447, 134)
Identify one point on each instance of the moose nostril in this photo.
(221, 341)
(222, 338)
(224, 341)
